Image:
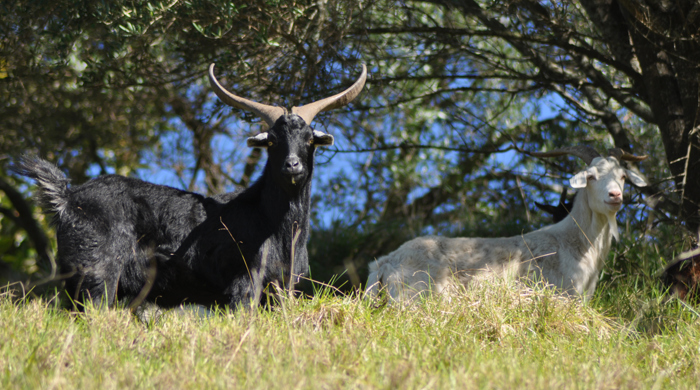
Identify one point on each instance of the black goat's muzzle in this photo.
(293, 169)
(293, 166)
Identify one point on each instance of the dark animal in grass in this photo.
(682, 276)
(127, 238)
(561, 210)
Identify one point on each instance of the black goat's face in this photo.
(290, 145)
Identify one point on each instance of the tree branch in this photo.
(25, 220)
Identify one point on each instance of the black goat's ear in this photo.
(546, 208)
(259, 141)
(322, 139)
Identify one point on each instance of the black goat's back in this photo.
(115, 231)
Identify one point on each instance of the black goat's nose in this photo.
(293, 165)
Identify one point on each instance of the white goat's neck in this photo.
(593, 230)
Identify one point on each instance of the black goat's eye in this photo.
(270, 143)
(311, 141)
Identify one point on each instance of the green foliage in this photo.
(457, 91)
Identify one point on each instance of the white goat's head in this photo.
(603, 179)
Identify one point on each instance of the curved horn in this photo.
(269, 114)
(308, 112)
(622, 155)
(586, 153)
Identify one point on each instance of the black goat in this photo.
(123, 237)
(561, 210)
(682, 276)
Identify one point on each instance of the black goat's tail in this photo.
(53, 184)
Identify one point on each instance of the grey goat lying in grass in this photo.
(568, 255)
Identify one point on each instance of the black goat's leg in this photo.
(245, 292)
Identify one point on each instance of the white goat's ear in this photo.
(635, 179)
(258, 141)
(579, 180)
(322, 139)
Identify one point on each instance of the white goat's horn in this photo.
(622, 155)
(586, 153)
(308, 112)
(268, 113)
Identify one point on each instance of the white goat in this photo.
(568, 255)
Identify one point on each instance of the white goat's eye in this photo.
(591, 177)
(624, 177)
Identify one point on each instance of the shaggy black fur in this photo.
(126, 238)
(682, 276)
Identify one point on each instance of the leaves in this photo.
(432, 144)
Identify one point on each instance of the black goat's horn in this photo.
(268, 113)
(308, 112)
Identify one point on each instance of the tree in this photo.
(118, 86)
(624, 72)
(620, 66)
(457, 91)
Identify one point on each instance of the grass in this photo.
(494, 336)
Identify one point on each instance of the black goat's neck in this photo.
(292, 203)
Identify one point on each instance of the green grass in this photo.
(495, 336)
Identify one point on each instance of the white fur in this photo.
(568, 255)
